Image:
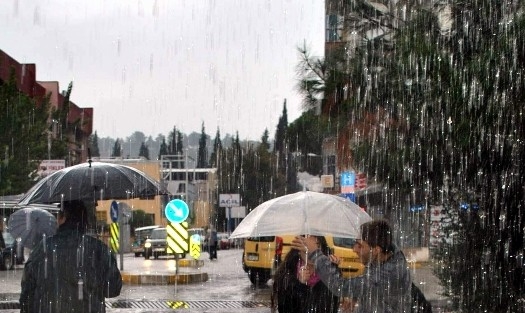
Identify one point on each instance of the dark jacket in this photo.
(383, 288)
(292, 296)
(69, 272)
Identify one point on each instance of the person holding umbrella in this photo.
(385, 285)
(297, 287)
(70, 271)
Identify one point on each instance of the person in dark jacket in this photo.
(298, 289)
(69, 271)
(212, 242)
(385, 286)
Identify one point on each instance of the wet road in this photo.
(227, 289)
(226, 281)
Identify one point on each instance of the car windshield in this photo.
(264, 238)
(142, 234)
(158, 234)
(344, 242)
(193, 231)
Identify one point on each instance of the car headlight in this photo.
(147, 245)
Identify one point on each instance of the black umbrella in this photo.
(93, 181)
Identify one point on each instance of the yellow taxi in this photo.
(262, 256)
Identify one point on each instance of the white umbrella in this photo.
(304, 212)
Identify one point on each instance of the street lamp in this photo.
(51, 134)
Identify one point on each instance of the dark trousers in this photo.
(213, 251)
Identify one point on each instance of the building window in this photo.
(334, 28)
(330, 165)
(101, 216)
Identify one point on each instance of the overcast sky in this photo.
(150, 65)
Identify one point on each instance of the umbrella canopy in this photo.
(30, 224)
(304, 212)
(93, 181)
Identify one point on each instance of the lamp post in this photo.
(51, 134)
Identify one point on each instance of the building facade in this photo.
(26, 82)
(195, 186)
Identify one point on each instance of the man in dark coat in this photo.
(70, 271)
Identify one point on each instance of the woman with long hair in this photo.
(298, 289)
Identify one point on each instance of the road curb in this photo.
(166, 278)
(415, 265)
(191, 263)
(163, 279)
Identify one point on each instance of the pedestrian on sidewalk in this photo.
(70, 271)
(386, 283)
(213, 242)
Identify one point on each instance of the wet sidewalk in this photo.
(424, 278)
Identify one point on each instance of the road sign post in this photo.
(195, 246)
(177, 212)
(114, 211)
(348, 185)
(116, 217)
(115, 237)
(228, 201)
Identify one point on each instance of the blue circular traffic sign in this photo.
(114, 211)
(177, 211)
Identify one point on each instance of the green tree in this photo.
(93, 145)
(217, 149)
(262, 180)
(144, 151)
(135, 140)
(265, 141)
(175, 146)
(229, 173)
(280, 142)
(436, 109)
(65, 132)
(172, 141)
(117, 149)
(163, 150)
(24, 137)
(202, 155)
(140, 219)
(306, 135)
(453, 136)
(179, 146)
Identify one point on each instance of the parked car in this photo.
(141, 235)
(224, 242)
(157, 244)
(10, 252)
(262, 256)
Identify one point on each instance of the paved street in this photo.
(227, 288)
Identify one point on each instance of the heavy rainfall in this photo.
(413, 114)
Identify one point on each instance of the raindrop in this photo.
(45, 267)
(80, 289)
(55, 258)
